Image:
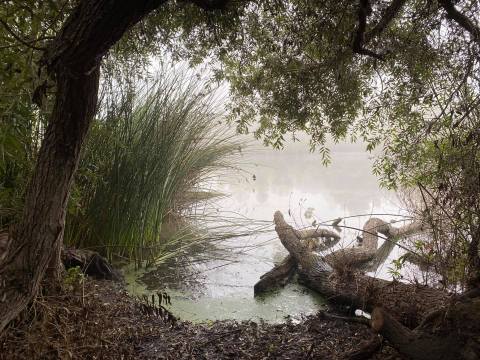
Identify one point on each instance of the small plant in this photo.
(396, 268)
(74, 279)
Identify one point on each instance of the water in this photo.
(295, 182)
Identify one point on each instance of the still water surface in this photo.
(295, 182)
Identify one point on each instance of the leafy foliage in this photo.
(410, 87)
(291, 65)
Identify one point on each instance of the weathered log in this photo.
(277, 277)
(315, 239)
(364, 257)
(91, 263)
(375, 225)
(450, 334)
(391, 234)
(347, 286)
(319, 239)
(444, 327)
(411, 344)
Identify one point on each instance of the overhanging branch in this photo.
(461, 19)
(389, 14)
(19, 39)
(362, 37)
(364, 10)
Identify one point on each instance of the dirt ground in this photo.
(100, 321)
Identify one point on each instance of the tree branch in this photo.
(364, 10)
(390, 12)
(461, 19)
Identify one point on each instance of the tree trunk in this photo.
(73, 60)
(37, 240)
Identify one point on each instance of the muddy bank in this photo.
(102, 321)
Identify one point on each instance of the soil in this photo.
(99, 320)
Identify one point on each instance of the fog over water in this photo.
(294, 181)
(284, 177)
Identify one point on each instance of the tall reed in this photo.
(148, 161)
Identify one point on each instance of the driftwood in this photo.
(277, 277)
(408, 303)
(366, 256)
(421, 322)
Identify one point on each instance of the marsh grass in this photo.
(146, 172)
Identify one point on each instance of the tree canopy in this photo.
(380, 70)
(395, 73)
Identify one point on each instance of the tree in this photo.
(292, 65)
(329, 67)
(73, 59)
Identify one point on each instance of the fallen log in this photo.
(315, 239)
(90, 262)
(365, 257)
(277, 277)
(451, 330)
(450, 333)
(348, 286)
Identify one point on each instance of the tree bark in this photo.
(449, 334)
(73, 60)
(315, 240)
(37, 240)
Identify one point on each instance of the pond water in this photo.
(295, 182)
